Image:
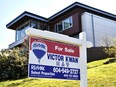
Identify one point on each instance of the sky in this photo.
(10, 9)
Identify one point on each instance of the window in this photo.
(20, 32)
(63, 25)
(59, 27)
(33, 24)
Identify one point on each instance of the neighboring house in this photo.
(70, 21)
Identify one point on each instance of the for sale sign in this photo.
(51, 59)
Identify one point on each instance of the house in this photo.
(70, 21)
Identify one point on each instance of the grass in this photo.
(99, 75)
(27, 82)
(102, 75)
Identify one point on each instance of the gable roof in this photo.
(26, 15)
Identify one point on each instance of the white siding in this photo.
(97, 28)
(87, 26)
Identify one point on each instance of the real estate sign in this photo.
(53, 55)
(51, 59)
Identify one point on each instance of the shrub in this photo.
(111, 51)
(13, 64)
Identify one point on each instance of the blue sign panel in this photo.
(43, 71)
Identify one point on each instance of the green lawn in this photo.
(102, 75)
(99, 75)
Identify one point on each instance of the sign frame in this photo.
(81, 42)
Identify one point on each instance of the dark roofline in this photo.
(77, 4)
(28, 14)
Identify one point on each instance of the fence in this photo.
(96, 53)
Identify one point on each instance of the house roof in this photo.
(26, 15)
(22, 17)
(86, 7)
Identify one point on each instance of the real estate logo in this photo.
(39, 49)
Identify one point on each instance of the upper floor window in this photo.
(65, 24)
(20, 32)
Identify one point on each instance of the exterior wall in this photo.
(97, 28)
(76, 18)
(87, 26)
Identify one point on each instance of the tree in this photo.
(107, 41)
(13, 63)
(110, 45)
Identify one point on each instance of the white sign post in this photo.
(83, 60)
(53, 55)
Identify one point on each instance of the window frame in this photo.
(20, 30)
(63, 25)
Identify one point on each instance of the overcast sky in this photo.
(10, 9)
